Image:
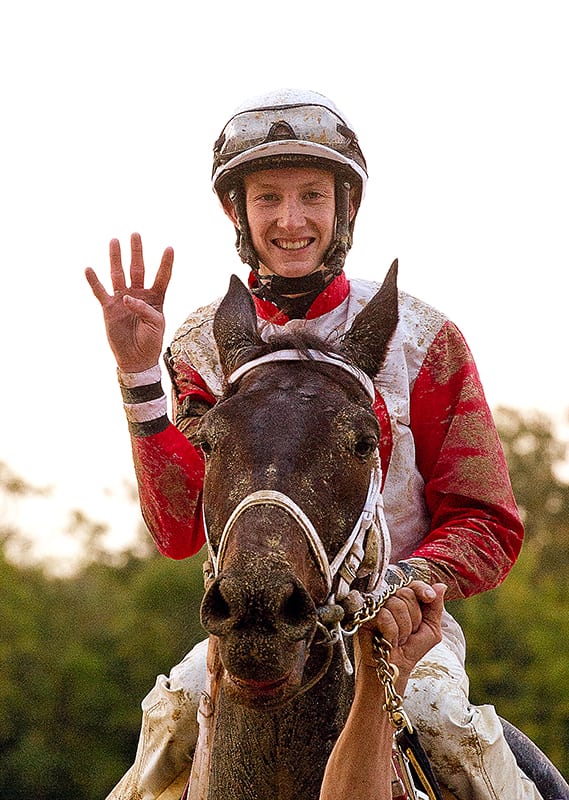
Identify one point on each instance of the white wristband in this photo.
(132, 379)
(146, 412)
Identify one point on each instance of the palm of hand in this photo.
(135, 339)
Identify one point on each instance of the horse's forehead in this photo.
(294, 407)
(297, 381)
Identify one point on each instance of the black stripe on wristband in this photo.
(407, 569)
(142, 394)
(149, 428)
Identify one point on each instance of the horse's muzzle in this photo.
(265, 622)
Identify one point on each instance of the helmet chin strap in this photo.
(294, 296)
(338, 250)
(280, 285)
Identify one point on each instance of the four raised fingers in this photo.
(118, 279)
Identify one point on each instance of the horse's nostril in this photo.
(215, 611)
(296, 606)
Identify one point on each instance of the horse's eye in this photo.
(365, 446)
(206, 447)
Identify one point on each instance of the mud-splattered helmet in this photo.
(289, 128)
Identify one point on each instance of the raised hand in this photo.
(133, 315)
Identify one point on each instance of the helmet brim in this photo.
(280, 154)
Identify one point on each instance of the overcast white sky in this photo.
(109, 113)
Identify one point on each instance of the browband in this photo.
(309, 355)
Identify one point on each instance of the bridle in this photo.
(369, 539)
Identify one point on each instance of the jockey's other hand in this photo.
(410, 621)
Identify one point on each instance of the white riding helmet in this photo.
(284, 128)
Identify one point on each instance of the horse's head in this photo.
(291, 453)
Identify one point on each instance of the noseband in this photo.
(352, 553)
(369, 539)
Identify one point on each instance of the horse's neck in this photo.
(279, 755)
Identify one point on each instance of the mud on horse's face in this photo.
(300, 430)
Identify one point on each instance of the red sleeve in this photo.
(170, 469)
(170, 473)
(476, 533)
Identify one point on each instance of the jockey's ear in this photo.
(229, 209)
(365, 344)
(235, 327)
(352, 208)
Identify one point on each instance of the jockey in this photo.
(290, 175)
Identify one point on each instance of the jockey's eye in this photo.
(365, 446)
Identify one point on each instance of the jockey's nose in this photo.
(291, 213)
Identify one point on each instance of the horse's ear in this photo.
(365, 344)
(235, 326)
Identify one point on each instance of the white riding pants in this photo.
(465, 743)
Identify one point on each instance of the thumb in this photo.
(143, 310)
(432, 612)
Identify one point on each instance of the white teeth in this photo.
(284, 244)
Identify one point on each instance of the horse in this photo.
(297, 541)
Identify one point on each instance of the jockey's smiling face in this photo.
(291, 214)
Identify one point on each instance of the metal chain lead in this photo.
(387, 674)
(370, 607)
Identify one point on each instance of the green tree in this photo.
(78, 654)
(536, 459)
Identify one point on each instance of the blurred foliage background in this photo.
(78, 653)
